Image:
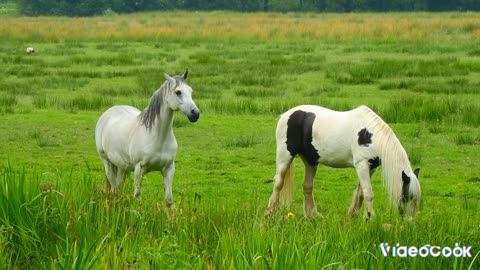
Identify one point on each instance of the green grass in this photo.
(55, 212)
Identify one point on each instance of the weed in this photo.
(435, 128)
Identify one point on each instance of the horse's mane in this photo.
(152, 111)
(393, 156)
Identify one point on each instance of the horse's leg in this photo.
(358, 198)
(363, 171)
(111, 173)
(284, 159)
(168, 173)
(357, 201)
(138, 175)
(309, 207)
(120, 176)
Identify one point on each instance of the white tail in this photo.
(286, 193)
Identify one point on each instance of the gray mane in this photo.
(150, 114)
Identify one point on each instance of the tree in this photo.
(96, 7)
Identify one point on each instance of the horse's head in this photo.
(410, 197)
(179, 97)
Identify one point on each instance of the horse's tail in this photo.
(286, 193)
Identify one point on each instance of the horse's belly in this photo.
(336, 160)
(334, 152)
(336, 164)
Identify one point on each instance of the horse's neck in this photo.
(164, 123)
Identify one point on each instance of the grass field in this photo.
(419, 71)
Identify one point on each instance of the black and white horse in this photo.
(357, 138)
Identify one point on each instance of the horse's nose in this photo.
(194, 115)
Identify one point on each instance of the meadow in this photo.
(419, 71)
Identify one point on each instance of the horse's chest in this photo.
(158, 162)
(157, 156)
(160, 159)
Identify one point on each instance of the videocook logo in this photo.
(425, 251)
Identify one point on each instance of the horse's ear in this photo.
(185, 74)
(416, 172)
(168, 77)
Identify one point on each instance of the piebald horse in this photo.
(357, 138)
(128, 139)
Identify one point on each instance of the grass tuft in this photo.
(243, 141)
(8, 100)
(466, 139)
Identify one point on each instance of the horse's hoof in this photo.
(268, 213)
(369, 215)
(170, 205)
(137, 193)
(387, 227)
(352, 213)
(315, 214)
(171, 211)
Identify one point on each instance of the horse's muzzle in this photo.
(194, 115)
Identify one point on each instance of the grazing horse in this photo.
(357, 138)
(128, 139)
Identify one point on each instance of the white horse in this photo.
(128, 139)
(358, 138)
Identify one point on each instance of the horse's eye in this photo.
(178, 93)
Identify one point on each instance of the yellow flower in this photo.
(290, 215)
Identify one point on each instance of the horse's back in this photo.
(324, 119)
(121, 111)
(331, 133)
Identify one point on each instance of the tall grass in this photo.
(80, 102)
(413, 109)
(28, 219)
(8, 100)
(257, 26)
(75, 225)
(377, 69)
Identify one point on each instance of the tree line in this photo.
(98, 7)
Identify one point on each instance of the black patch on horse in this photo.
(374, 163)
(364, 137)
(406, 196)
(299, 136)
